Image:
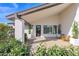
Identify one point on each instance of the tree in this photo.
(75, 30)
(3, 31)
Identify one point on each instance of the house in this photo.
(47, 20)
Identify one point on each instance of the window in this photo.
(50, 29)
(54, 29)
(59, 29)
(47, 29)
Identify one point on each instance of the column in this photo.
(19, 29)
(42, 34)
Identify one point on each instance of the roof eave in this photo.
(32, 10)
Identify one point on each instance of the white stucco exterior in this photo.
(50, 20)
(19, 29)
(65, 18)
(68, 16)
(64, 14)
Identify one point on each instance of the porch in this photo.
(46, 23)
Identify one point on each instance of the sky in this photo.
(9, 8)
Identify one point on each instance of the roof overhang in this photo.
(32, 10)
(40, 11)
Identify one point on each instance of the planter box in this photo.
(74, 42)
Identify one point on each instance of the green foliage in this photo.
(57, 51)
(75, 30)
(9, 46)
(3, 31)
(13, 47)
(41, 51)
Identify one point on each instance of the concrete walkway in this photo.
(47, 42)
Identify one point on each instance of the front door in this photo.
(38, 30)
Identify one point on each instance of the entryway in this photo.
(48, 30)
(38, 30)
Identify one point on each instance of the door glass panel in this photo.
(54, 29)
(47, 29)
(50, 29)
(59, 29)
(38, 30)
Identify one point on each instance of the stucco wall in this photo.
(19, 29)
(26, 30)
(50, 20)
(67, 17)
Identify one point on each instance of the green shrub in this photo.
(13, 47)
(3, 31)
(75, 30)
(9, 45)
(41, 51)
(57, 51)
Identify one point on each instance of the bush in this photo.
(41, 51)
(9, 45)
(75, 30)
(14, 48)
(3, 31)
(57, 51)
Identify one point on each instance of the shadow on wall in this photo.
(68, 16)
